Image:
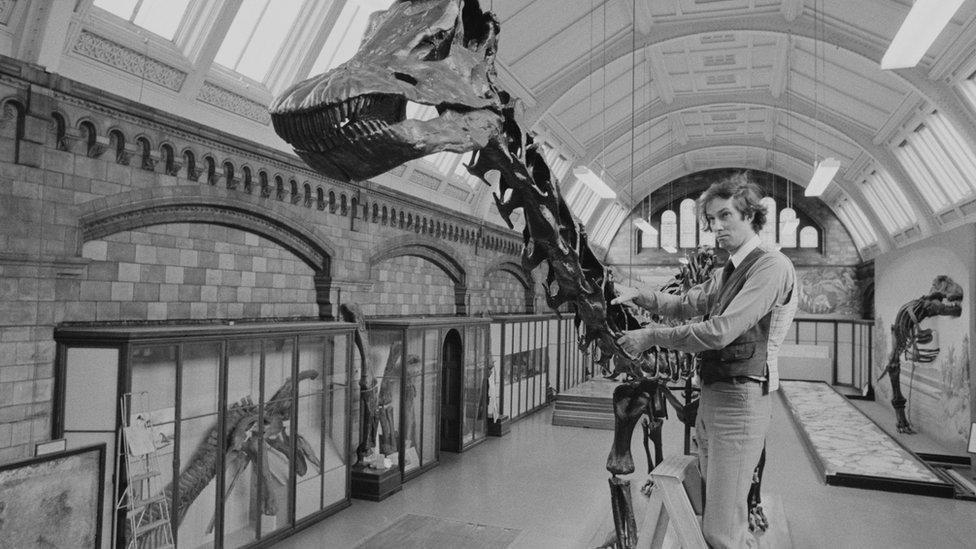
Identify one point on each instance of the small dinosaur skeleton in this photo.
(943, 299)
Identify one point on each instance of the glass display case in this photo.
(534, 356)
(431, 374)
(279, 392)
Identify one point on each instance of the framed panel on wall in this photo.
(74, 479)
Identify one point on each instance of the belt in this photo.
(740, 380)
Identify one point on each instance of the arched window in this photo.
(320, 198)
(296, 196)
(229, 175)
(768, 232)
(211, 170)
(90, 138)
(787, 228)
(60, 128)
(248, 183)
(169, 159)
(265, 186)
(809, 237)
(686, 223)
(307, 188)
(116, 141)
(669, 230)
(146, 160)
(279, 188)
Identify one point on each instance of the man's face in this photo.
(731, 228)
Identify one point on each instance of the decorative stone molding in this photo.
(6, 9)
(126, 59)
(235, 103)
(63, 267)
(315, 254)
(523, 277)
(425, 180)
(457, 193)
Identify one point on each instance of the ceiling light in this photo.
(823, 173)
(594, 182)
(645, 227)
(921, 27)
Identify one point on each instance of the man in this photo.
(747, 308)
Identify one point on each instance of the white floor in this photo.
(550, 483)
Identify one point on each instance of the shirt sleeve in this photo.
(767, 284)
(695, 302)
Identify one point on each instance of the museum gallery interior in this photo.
(338, 273)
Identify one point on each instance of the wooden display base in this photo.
(375, 485)
(500, 427)
(671, 518)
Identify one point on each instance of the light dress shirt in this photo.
(769, 286)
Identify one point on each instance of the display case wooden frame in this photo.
(417, 327)
(123, 339)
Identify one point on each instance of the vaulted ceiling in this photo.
(643, 91)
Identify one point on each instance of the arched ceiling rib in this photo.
(804, 26)
(657, 172)
(768, 75)
(843, 128)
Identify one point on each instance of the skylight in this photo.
(256, 35)
(162, 18)
(347, 34)
(853, 219)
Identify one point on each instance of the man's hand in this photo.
(635, 341)
(625, 295)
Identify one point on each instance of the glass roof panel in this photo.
(122, 8)
(162, 18)
(347, 33)
(269, 34)
(240, 32)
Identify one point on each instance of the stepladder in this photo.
(670, 519)
(144, 500)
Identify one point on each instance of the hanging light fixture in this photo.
(923, 24)
(594, 182)
(823, 173)
(823, 170)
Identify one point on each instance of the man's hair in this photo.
(746, 197)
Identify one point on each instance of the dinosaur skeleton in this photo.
(943, 299)
(351, 124)
(248, 438)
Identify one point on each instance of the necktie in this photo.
(727, 271)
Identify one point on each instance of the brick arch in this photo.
(137, 209)
(523, 277)
(441, 256)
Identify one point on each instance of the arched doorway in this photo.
(452, 384)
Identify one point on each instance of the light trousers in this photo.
(733, 418)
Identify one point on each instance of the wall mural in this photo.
(828, 291)
(954, 418)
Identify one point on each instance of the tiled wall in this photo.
(91, 233)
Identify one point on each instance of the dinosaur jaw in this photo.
(369, 134)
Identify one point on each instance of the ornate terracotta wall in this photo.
(111, 212)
